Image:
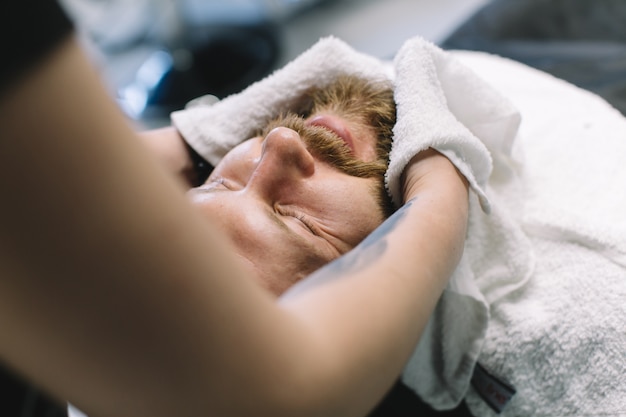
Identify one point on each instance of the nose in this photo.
(284, 162)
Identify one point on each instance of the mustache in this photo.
(328, 147)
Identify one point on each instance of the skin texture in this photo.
(128, 310)
(170, 149)
(307, 189)
(285, 208)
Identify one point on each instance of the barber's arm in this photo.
(117, 296)
(176, 156)
(369, 308)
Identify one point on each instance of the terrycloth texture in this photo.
(539, 296)
(561, 339)
(444, 105)
(213, 130)
(441, 104)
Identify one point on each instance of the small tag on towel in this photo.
(495, 392)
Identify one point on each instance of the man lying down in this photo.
(304, 165)
(309, 187)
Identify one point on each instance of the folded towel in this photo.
(560, 341)
(212, 130)
(444, 105)
(441, 104)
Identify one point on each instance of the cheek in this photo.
(273, 262)
(361, 215)
(276, 281)
(273, 266)
(362, 223)
(220, 211)
(208, 206)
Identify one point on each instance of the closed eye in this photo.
(303, 219)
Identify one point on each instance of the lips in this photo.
(335, 125)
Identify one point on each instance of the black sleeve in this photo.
(20, 399)
(29, 30)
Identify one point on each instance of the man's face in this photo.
(286, 201)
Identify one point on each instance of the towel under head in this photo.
(440, 104)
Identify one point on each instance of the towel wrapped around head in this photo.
(444, 105)
(214, 130)
(440, 104)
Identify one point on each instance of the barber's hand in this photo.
(171, 150)
(429, 168)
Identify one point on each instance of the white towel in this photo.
(441, 104)
(213, 130)
(561, 339)
(444, 105)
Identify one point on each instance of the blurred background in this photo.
(156, 55)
